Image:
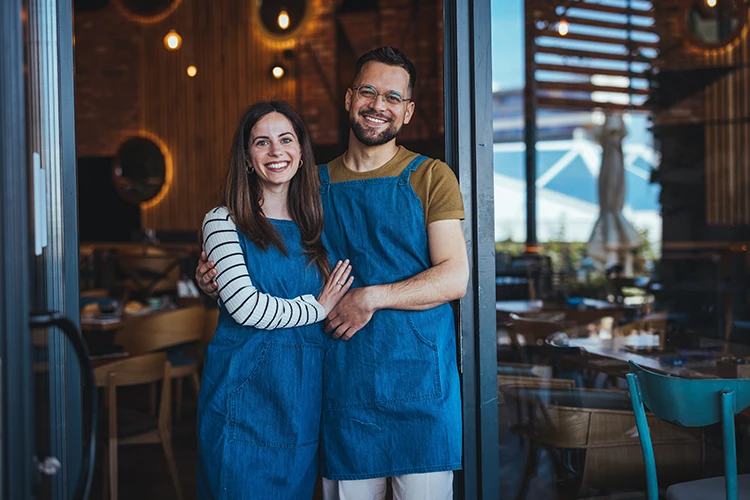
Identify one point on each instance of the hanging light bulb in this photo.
(711, 3)
(277, 71)
(192, 71)
(283, 19)
(563, 27)
(172, 40)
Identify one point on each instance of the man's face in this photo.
(376, 121)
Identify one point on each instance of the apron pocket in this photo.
(390, 361)
(279, 404)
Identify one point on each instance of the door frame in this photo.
(16, 384)
(468, 149)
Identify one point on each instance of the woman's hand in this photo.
(204, 276)
(336, 286)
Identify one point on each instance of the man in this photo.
(391, 391)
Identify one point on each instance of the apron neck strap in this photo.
(412, 166)
(325, 179)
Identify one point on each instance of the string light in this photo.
(283, 19)
(172, 40)
(711, 3)
(277, 71)
(192, 71)
(563, 27)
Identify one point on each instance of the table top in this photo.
(529, 306)
(620, 349)
(113, 322)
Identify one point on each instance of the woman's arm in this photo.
(247, 305)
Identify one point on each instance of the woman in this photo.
(261, 392)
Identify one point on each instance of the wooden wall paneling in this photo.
(129, 83)
(726, 109)
(726, 140)
(196, 117)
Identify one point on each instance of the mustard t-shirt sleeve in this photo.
(436, 185)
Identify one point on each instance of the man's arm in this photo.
(445, 281)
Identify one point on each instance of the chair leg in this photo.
(152, 399)
(166, 443)
(113, 470)
(178, 399)
(105, 475)
(730, 444)
(195, 379)
(533, 452)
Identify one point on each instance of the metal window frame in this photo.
(16, 384)
(468, 149)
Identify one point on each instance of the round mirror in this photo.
(281, 19)
(715, 23)
(139, 169)
(147, 11)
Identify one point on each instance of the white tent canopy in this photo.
(564, 213)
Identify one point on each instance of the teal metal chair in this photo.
(691, 403)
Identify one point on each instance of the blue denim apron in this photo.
(391, 398)
(261, 391)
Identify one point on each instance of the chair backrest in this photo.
(133, 370)
(534, 331)
(690, 403)
(161, 330)
(136, 370)
(145, 263)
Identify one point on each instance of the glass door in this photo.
(47, 382)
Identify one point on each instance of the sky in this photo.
(507, 44)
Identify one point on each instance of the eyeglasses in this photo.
(368, 93)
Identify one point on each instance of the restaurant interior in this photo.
(619, 221)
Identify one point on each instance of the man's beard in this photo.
(370, 140)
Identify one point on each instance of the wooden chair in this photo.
(599, 424)
(126, 427)
(691, 403)
(147, 270)
(168, 331)
(520, 374)
(527, 331)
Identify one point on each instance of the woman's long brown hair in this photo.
(243, 194)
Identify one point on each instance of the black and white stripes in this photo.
(248, 305)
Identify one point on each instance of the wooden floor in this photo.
(144, 475)
(143, 469)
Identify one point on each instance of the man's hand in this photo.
(205, 275)
(351, 313)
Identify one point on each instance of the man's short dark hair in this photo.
(392, 57)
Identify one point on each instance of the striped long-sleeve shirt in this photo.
(247, 305)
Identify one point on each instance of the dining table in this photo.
(571, 313)
(99, 330)
(702, 359)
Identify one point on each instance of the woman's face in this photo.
(275, 151)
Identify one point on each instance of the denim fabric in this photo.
(261, 391)
(391, 394)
